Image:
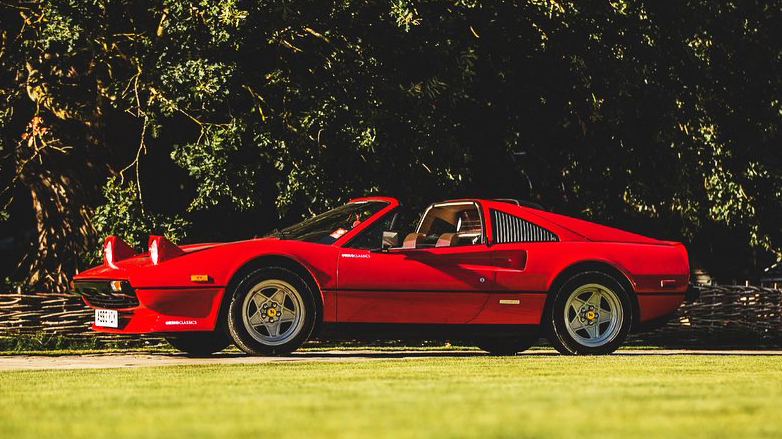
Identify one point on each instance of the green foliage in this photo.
(660, 118)
(122, 215)
(44, 343)
(196, 82)
(215, 162)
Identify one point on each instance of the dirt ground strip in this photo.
(101, 361)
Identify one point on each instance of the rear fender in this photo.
(593, 265)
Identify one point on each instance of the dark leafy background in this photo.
(220, 120)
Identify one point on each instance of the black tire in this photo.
(253, 342)
(558, 332)
(200, 344)
(507, 346)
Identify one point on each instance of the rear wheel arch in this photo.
(273, 261)
(598, 266)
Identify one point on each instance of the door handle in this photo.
(517, 262)
(504, 262)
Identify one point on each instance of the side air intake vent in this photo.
(508, 228)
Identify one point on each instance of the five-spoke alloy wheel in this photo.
(272, 312)
(591, 314)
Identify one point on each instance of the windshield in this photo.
(329, 226)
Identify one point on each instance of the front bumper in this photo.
(164, 310)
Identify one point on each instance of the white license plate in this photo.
(107, 318)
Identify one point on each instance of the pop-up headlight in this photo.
(115, 250)
(161, 249)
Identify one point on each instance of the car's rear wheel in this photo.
(507, 346)
(591, 314)
(200, 343)
(272, 312)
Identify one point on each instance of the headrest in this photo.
(447, 240)
(413, 239)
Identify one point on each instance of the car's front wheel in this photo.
(200, 344)
(591, 314)
(272, 312)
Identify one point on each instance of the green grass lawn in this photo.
(460, 397)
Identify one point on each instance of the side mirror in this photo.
(390, 239)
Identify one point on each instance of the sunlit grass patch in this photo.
(461, 397)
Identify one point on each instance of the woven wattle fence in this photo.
(47, 313)
(727, 316)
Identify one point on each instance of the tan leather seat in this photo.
(447, 240)
(413, 240)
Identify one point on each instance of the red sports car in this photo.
(495, 273)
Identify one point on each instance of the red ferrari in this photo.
(495, 273)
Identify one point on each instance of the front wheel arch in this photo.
(266, 261)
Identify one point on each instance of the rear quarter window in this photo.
(509, 228)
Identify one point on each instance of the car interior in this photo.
(447, 225)
(442, 225)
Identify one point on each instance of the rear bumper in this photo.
(653, 324)
(168, 310)
(658, 309)
(655, 305)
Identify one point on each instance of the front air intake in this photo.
(98, 294)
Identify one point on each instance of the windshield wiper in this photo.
(276, 233)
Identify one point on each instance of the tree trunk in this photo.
(65, 232)
(55, 162)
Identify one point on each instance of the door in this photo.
(520, 253)
(440, 285)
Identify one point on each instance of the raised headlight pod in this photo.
(115, 250)
(108, 254)
(153, 254)
(161, 249)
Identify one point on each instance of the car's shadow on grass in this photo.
(347, 354)
(379, 354)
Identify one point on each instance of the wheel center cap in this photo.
(590, 315)
(271, 312)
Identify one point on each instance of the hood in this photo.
(127, 266)
(189, 248)
(595, 232)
